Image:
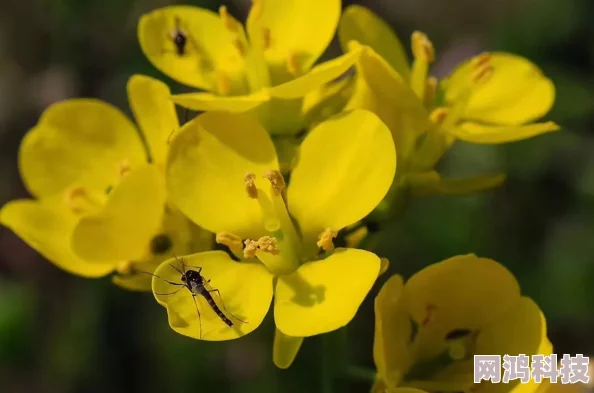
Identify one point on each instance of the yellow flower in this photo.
(428, 329)
(492, 98)
(264, 69)
(99, 205)
(223, 174)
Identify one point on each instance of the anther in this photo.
(276, 180)
(267, 244)
(227, 19)
(231, 241)
(481, 68)
(325, 239)
(256, 10)
(266, 38)
(292, 65)
(430, 90)
(240, 46)
(422, 48)
(223, 83)
(438, 115)
(250, 185)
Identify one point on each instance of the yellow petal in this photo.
(393, 329)
(346, 166)
(78, 141)
(520, 331)
(209, 51)
(285, 349)
(47, 228)
(207, 165)
(245, 291)
(280, 116)
(327, 100)
(432, 183)
(453, 293)
(318, 76)
(303, 28)
(177, 236)
(383, 91)
(361, 24)
(478, 133)
(127, 223)
(211, 102)
(314, 299)
(155, 114)
(516, 93)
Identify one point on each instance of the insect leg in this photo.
(199, 319)
(168, 294)
(223, 304)
(167, 281)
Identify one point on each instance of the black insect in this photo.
(198, 286)
(179, 38)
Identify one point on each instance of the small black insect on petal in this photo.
(160, 244)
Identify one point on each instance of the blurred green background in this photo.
(61, 333)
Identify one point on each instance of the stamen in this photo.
(424, 54)
(251, 246)
(325, 239)
(430, 90)
(240, 46)
(266, 38)
(250, 185)
(228, 20)
(481, 68)
(256, 10)
(422, 47)
(78, 200)
(276, 180)
(231, 241)
(438, 115)
(292, 65)
(223, 82)
(267, 244)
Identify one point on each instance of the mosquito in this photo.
(195, 282)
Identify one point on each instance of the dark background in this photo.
(61, 333)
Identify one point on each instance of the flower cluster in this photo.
(261, 200)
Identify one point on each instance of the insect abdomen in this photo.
(217, 310)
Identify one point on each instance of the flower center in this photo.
(161, 244)
(280, 250)
(82, 201)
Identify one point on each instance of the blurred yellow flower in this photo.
(429, 328)
(223, 174)
(264, 69)
(492, 98)
(99, 205)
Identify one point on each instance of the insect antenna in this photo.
(161, 278)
